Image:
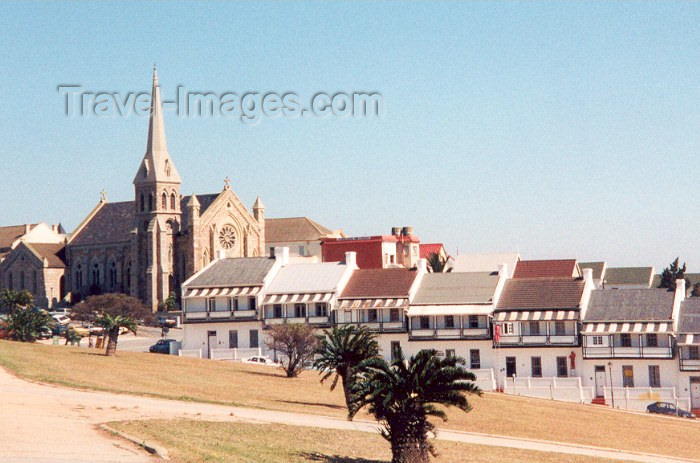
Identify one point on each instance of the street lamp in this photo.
(612, 387)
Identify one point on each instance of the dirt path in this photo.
(43, 423)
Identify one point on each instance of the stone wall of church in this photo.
(24, 271)
(99, 269)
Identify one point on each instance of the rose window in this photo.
(227, 237)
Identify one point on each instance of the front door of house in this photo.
(510, 367)
(695, 392)
(211, 342)
(600, 381)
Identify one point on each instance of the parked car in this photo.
(162, 346)
(665, 408)
(61, 319)
(165, 321)
(258, 360)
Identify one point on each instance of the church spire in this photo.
(157, 165)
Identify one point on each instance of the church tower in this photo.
(158, 214)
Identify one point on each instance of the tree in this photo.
(672, 273)
(402, 395)
(340, 351)
(696, 290)
(436, 263)
(296, 343)
(26, 324)
(112, 312)
(11, 300)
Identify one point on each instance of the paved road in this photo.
(42, 423)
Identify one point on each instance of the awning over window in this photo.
(432, 310)
(223, 292)
(387, 303)
(301, 298)
(638, 328)
(538, 315)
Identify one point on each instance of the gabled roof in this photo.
(541, 293)
(379, 283)
(112, 223)
(307, 278)
(456, 288)
(292, 229)
(10, 233)
(689, 321)
(630, 305)
(231, 272)
(54, 253)
(483, 262)
(431, 248)
(553, 268)
(597, 268)
(629, 276)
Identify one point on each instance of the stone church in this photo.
(148, 246)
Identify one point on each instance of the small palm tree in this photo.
(402, 395)
(11, 300)
(26, 324)
(340, 351)
(436, 263)
(112, 325)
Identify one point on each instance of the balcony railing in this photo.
(543, 340)
(690, 364)
(380, 326)
(311, 320)
(663, 352)
(221, 315)
(449, 333)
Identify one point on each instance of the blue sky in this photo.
(555, 129)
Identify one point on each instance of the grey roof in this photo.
(628, 275)
(204, 203)
(111, 224)
(630, 305)
(689, 321)
(307, 278)
(597, 268)
(456, 288)
(241, 271)
(692, 277)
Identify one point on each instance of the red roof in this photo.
(430, 248)
(541, 293)
(379, 283)
(545, 268)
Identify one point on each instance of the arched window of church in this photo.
(205, 258)
(35, 283)
(96, 275)
(172, 201)
(144, 170)
(21, 280)
(10, 282)
(142, 203)
(150, 201)
(79, 277)
(113, 276)
(170, 254)
(128, 276)
(164, 201)
(167, 168)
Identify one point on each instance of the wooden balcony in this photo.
(448, 333)
(535, 341)
(640, 352)
(221, 316)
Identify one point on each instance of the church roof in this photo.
(8, 235)
(54, 253)
(112, 223)
(241, 271)
(204, 203)
(292, 229)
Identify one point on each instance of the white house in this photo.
(689, 351)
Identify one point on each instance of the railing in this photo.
(638, 398)
(689, 364)
(196, 353)
(664, 352)
(449, 333)
(380, 327)
(222, 315)
(541, 340)
(312, 320)
(234, 354)
(564, 389)
(485, 379)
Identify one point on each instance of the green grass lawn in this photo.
(265, 387)
(190, 441)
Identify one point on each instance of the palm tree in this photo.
(340, 351)
(26, 324)
(436, 263)
(11, 300)
(112, 325)
(402, 395)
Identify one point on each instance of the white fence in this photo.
(485, 379)
(564, 389)
(638, 398)
(234, 354)
(196, 353)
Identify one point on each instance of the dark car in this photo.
(162, 346)
(665, 408)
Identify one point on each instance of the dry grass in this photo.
(197, 441)
(264, 387)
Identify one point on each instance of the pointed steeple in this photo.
(156, 165)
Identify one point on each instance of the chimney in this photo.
(282, 255)
(27, 227)
(351, 259)
(588, 275)
(503, 270)
(222, 254)
(422, 266)
(407, 231)
(396, 231)
(678, 299)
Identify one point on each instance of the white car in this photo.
(61, 319)
(260, 361)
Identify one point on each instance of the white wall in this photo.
(195, 335)
(668, 369)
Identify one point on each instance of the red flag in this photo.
(497, 333)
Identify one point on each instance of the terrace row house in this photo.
(544, 328)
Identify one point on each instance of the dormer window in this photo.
(144, 170)
(167, 168)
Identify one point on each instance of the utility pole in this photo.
(612, 387)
